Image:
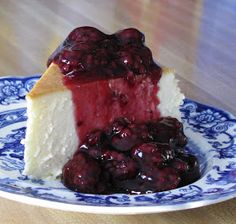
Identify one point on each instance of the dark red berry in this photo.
(96, 137)
(121, 137)
(94, 151)
(82, 46)
(69, 60)
(160, 179)
(141, 130)
(118, 165)
(191, 160)
(168, 130)
(146, 55)
(180, 165)
(126, 58)
(117, 126)
(193, 172)
(86, 34)
(149, 181)
(124, 140)
(93, 144)
(152, 154)
(82, 173)
(130, 35)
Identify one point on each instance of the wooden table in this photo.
(197, 38)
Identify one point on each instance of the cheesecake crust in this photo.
(50, 81)
(166, 70)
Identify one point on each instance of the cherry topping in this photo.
(118, 165)
(122, 137)
(86, 34)
(192, 172)
(180, 165)
(95, 137)
(82, 174)
(159, 179)
(130, 35)
(168, 130)
(152, 154)
(127, 157)
(88, 50)
(149, 181)
(93, 144)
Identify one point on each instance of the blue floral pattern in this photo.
(13, 90)
(212, 138)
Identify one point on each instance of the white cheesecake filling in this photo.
(170, 96)
(51, 137)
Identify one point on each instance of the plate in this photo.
(212, 138)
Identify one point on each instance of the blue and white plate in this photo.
(212, 138)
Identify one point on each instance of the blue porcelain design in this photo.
(212, 138)
(14, 89)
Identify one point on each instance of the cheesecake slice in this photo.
(91, 80)
(51, 137)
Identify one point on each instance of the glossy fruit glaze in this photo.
(110, 76)
(126, 146)
(133, 158)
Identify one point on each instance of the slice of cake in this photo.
(92, 79)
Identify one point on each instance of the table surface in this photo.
(197, 38)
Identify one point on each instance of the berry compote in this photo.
(128, 157)
(126, 146)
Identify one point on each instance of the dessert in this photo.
(99, 106)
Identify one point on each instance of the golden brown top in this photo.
(51, 81)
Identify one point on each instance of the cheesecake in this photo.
(93, 79)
